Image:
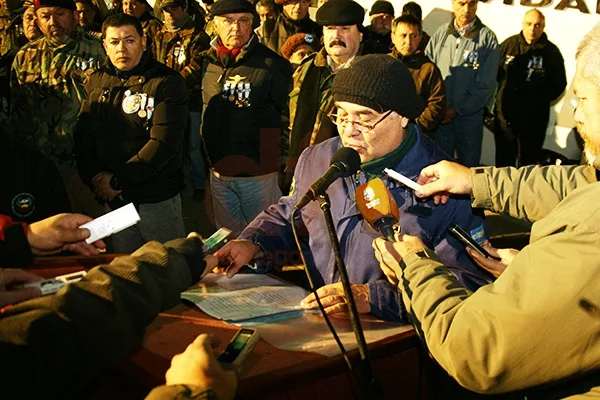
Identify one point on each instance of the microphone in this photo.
(345, 162)
(378, 207)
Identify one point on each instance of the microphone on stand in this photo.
(345, 162)
(378, 207)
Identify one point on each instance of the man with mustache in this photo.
(47, 89)
(537, 324)
(467, 53)
(130, 135)
(310, 100)
(379, 39)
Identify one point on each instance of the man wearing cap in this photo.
(467, 53)
(298, 47)
(310, 100)
(379, 39)
(375, 99)
(293, 19)
(47, 89)
(406, 35)
(89, 17)
(130, 135)
(175, 45)
(244, 90)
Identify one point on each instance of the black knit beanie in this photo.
(379, 82)
(382, 7)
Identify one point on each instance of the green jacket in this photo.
(177, 49)
(538, 323)
(47, 89)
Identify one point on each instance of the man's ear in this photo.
(144, 42)
(404, 121)
(76, 16)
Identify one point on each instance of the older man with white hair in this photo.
(538, 323)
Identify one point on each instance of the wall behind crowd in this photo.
(566, 23)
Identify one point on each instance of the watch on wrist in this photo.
(115, 184)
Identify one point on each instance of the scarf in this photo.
(375, 167)
(225, 55)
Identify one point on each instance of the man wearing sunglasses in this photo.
(375, 99)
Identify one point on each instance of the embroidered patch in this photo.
(23, 205)
(478, 234)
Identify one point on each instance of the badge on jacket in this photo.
(237, 92)
(535, 65)
(139, 103)
(471, 59)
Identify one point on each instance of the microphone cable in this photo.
(313, 290)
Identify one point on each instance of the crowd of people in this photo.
(107, 107)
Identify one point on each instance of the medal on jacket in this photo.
(131, 102)
(247, 102)
(225, 92)
(179, 53)
(240, 95)
(150, 107)
(142, 113)
(471, 59)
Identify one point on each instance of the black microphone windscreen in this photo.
(347, 159)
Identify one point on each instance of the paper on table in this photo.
(244, 296)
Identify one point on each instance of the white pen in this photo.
(402, 179)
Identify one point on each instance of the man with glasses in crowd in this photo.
(375, 98)
(244, 122)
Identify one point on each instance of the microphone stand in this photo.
(370, 390)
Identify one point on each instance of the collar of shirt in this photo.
(462, 31)
(331, 63)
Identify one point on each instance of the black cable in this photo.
(325, 316)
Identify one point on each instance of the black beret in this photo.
(382, 7)
(340, 12)
(173, 3)
(379, 82)
(68, 4)
(231, 6)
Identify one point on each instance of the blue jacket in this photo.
(468, 64)
(272, 230)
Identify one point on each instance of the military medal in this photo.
(240, 93)
(150, 107)
(226, 90)
(142, 113)
(247, 102)
(131, 102)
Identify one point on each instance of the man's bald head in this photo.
(534, 23)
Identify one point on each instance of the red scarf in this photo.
(226, 55)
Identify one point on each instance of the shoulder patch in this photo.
(23, 205)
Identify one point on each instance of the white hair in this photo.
(588, 52)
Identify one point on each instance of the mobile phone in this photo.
(51, 286)
(467, 240)
(240, 346)
(216, 241)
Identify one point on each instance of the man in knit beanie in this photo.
(375, 100)
(379, 33)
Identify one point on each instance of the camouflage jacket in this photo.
(177, 49)
(47, 89)
(11, 30)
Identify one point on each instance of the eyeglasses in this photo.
(228, 22)
(362, 127)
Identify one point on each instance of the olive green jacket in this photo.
(538, 323)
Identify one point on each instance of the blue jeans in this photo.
(236, 201)
(463, 135)
(158, 221)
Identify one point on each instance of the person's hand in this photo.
(9, 279)
(198, 366)
(389, 254)
(62, 233)
(334, 299)
(449, 116)
(492, 266)
(234, 255)
(442, 179)
(102, 187)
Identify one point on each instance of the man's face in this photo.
(533, 26)
(381, 140)
(234, 29)
(86, 14)
(587, 112)
(56, 23)
(30, 28)
(464, 11)
(381, 23)
(124, 46)
(134, 8)
(296, 9)
(301, 51)
(265, 13)
(172, 15)
(406, 38)
(342, 42)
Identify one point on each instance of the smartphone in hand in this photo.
(240, 346)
